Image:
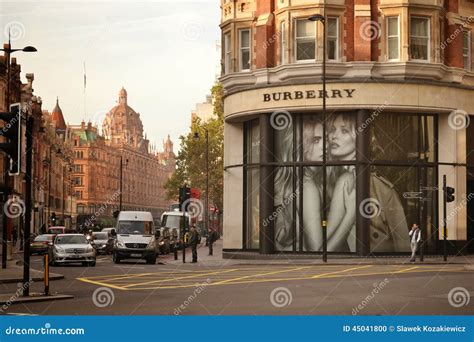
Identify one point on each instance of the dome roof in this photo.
(57, 116)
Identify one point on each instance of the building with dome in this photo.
(97, 160)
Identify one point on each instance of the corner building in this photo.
(399, 102)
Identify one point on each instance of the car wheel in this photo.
(84, 263)
(115, 258)
(92, 264)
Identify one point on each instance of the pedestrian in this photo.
(15, 237)
(415, 234)
(193, 242)
(211, 237)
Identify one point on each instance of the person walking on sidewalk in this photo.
(415, 234)
(211, 238)
(193, 242)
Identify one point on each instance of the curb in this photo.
(37, 297)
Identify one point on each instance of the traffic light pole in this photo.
(445, 228)
(6, 176)
(28, 206)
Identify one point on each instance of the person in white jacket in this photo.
(415, 234)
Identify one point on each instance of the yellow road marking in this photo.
(101, 284)
(259, 275)
(406, 269)
(178, 278)
(342, 271)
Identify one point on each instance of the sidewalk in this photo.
(14, 273)
(253, 258)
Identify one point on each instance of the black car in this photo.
(102, 242)
(42, 244)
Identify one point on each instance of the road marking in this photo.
(258, 275)
(179, 278)
(406, 269)
(342, 271)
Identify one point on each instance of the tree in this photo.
(191, 159)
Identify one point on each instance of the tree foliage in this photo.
(191, 159)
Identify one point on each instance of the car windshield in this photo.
(56, 230)
(100, 236)
(71, 239)
(135, 227)
(44, 238)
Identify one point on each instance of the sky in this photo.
(163, 52)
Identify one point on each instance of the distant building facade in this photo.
(97, 159)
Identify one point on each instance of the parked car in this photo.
(42, 244)
(102, 242)
(72, 248)
(57, 230)
(109, 230)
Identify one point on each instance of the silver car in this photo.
(73, 248)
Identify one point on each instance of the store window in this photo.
(466, 50)
(244, 50)
(393, 38)
(305, 40)
(420, 38)
(333, 38)
(252, 200)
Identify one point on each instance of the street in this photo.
(230, 287)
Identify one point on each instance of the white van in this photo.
(174, 220)
(135, 237)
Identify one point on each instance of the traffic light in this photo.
(53, 218)
(449, 194)
(184, 196)
(12, 131)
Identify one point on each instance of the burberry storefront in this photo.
(365, 171)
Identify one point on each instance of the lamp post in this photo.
(7, 48)
(206, 214)
(121, 180)
(322, 18)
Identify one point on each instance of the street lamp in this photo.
(322, 18)
(206, 214)
(121, 179)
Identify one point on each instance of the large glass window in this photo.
(305, 40)
(252, 156)
(419, 38)
(333, 38)
(244, 50)
(393, 38)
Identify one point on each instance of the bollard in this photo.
(46, 274)
(175, 251)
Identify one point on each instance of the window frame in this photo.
(227, 53)
(388, 36)
(283, 43)
(337, 39)
(428, 20)
(249, 48)
(468, 49)
(295, 36)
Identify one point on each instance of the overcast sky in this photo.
(163, 52)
